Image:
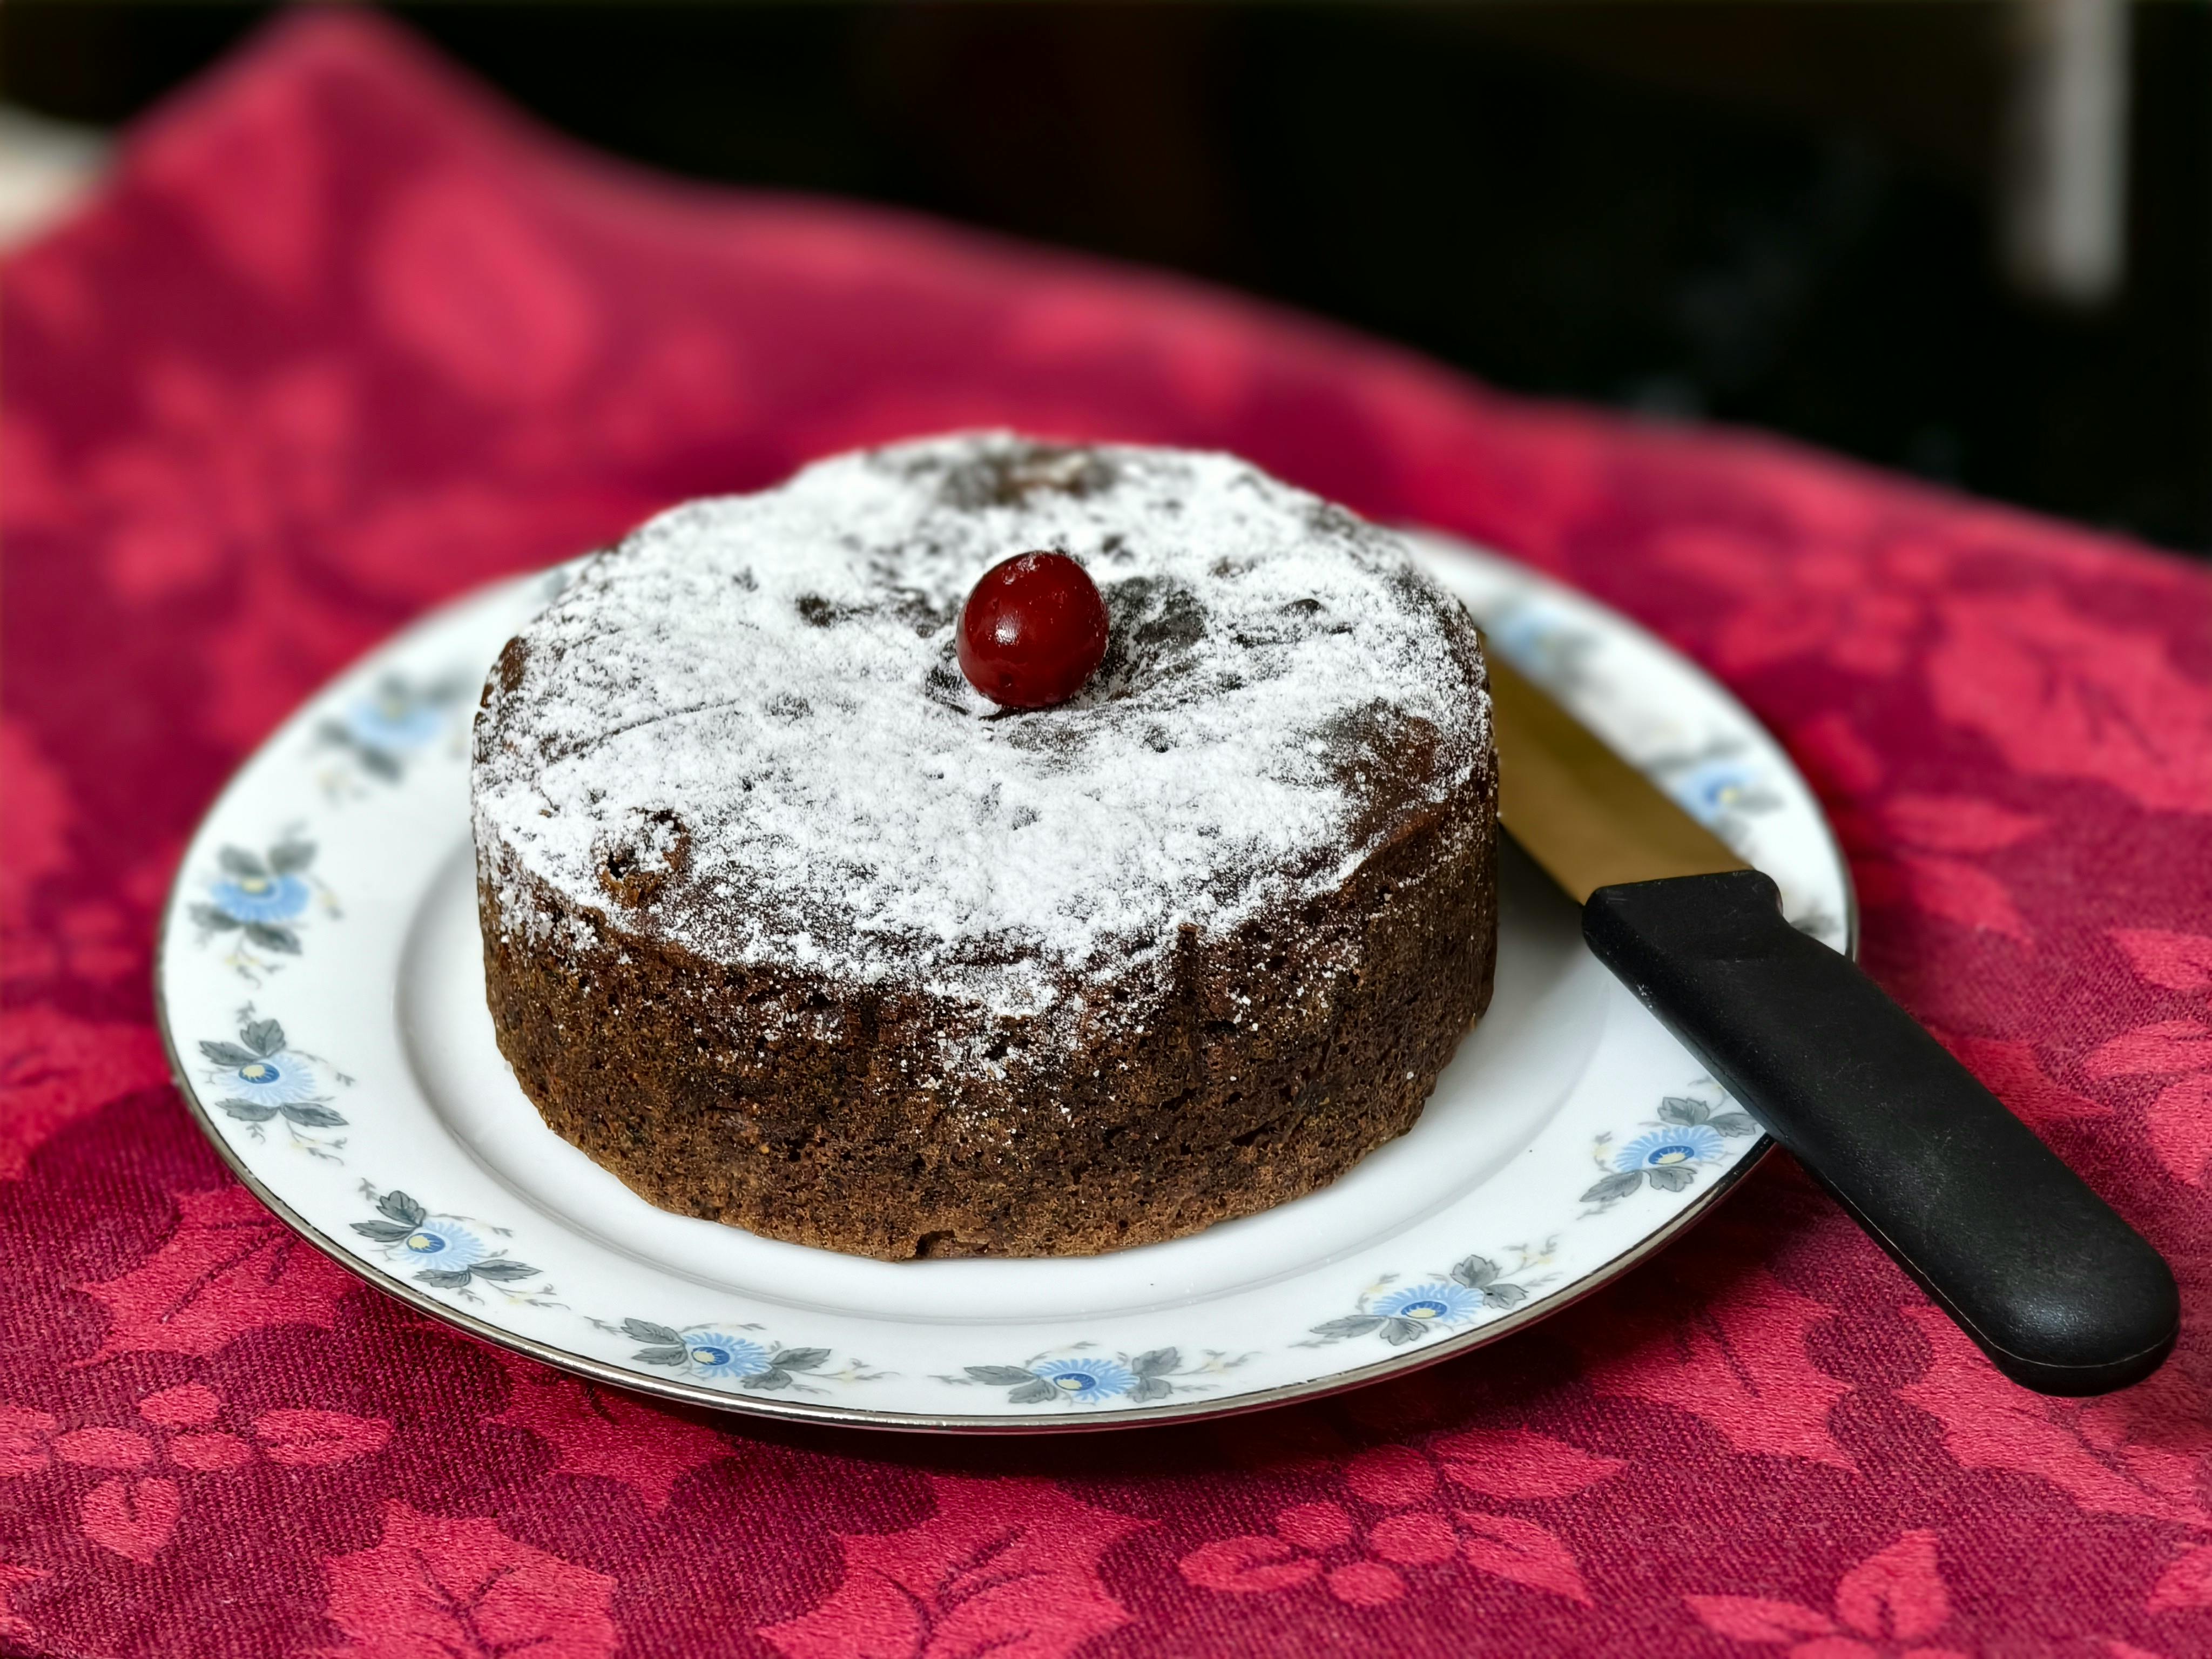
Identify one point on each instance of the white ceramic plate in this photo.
(322, 996)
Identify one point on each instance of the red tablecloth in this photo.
(342, 338)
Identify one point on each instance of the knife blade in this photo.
(2050, 1282)
(1586, 816)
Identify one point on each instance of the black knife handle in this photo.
(2060, 1292)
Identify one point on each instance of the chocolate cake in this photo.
(789, 927)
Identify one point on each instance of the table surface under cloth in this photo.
(341, 337)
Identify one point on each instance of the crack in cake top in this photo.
(743, 731)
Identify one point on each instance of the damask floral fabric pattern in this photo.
(341, 338)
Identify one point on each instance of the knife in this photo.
(2060, 1292)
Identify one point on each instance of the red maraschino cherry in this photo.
(1032, 631)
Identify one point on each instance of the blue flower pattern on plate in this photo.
(1546, 648)
(444, 1244)
(259, 896)
(446, 1253)
(389, 719)
(706, 1350)
(1692, 1143)
(1688, 1135)
(713, 1354)
(1475, 1284)
(385, 725)
(1445, 1302)
(1086, 1379)
(1714, 789)
(260, 899)
(1074, 1377)
(260, 1078)
(1717, 787)
(279, 1080)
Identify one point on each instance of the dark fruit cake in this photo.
(789, 926)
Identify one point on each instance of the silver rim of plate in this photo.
(317, 991)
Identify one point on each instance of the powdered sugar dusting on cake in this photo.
(743, 729)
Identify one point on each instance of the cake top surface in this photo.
(743, 731)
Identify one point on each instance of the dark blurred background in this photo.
(1972, 241)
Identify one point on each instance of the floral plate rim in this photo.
(1144, 1377)
(693, 1394)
